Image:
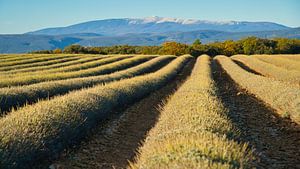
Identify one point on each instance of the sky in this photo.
(20, 16)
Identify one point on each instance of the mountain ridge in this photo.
(29, 42)
(141, 31)
(121, 26)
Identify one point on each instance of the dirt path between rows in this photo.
(276, 140)
(114, 144)
(248, 69)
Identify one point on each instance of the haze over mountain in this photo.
(146, 31)
(158, 25)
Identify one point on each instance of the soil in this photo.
(248, 69)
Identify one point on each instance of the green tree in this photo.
(254, 45)
(197, 42)
(288, 46)
(74, 49)
(249, 45)
(57, 51)
(230, 48)
(150, 50)
(174, 48)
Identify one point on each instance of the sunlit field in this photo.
(149, 111)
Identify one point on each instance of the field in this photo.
(149, 111)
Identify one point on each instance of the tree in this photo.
(197, 42)
(249, 45)
(254, 45)
(150, 50)
(74, 49)
(174, 48)
(197, 48)
(57, 51)
(230, 48)
(213, 49)
(42, 52)
(287, 46)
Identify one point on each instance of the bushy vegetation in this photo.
(248, 46)
(16, 57)
(282, 97)
(290, 57)
(19, 95)
(281, 62)
(27, 62)
(54, 65)
(122, 62)
(96, 61)
(5, 69)
(45, 129)
(193, 130)
(49, 105)
(269, 70)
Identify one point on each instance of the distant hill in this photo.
(114, 27)
(146, 31)
(28, 42)
(185, 37)
(21, 43)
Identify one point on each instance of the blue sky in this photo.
(19, 16)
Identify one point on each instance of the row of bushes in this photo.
(279, 95)
(7, 81)
(250, 45)
(44, 130)
(12, 97)
(280, 61)
(29, 62)
(55, 64)
(193, 130)
(268, 69)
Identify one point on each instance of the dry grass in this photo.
(38, 64)
(269, 70)
(79, 66)
(193, 130)
(81, 60)
(45, 129)
(16, 57)
(17, 96)
(29, 61)
(104, 69)
(279, 61)
(87, 65)
(282, 97)
(291, 57)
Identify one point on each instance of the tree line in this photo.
(248, 46)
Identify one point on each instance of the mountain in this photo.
(206, 36)
(141, 31)
(29, 42)
(113, 27)
(22, 43)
